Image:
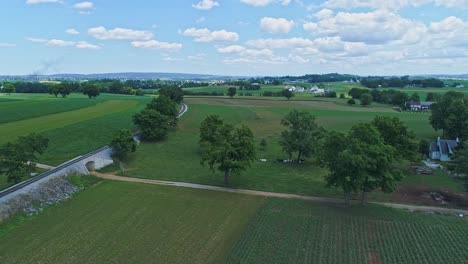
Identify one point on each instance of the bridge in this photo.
(94, 160)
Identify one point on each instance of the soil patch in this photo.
(425, 195)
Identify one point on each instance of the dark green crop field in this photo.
(116, 222)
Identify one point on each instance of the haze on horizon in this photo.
(235, 37)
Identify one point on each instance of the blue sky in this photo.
(234, 37)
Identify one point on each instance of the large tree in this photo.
(17, 160)
(231, 91)
(165, 106)
(91, 90)
(366, 99)
(287, 93)
(396, 134)
(461, 160)
(360, 161)
(123, 144)
(450, 114)
(176, 94)
(301, 134)
(152, 124)
(226, 148)
(8, 88)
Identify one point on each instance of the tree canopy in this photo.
(123, 144)
(301, 134)
(450, 114)
(17, 159)
(287, 93)
(8, 88)
(91, 90)
(152, 124)
(165, 106)
(227, 148)
(359, 161)
(176, 94)
(396, 134)
(366, 99)
(232, 91)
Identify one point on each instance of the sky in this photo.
(234, 37)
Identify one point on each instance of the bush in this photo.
(342, 96)
(351, 102)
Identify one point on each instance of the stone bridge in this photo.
(95, 160)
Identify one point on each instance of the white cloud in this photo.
(205, 5)
(236, 49)
(265, 2)
(59, 43)
(378, 27)
(276, 25)
(72, 31)
(392, 4)
(33, 2)
(64, 43)
(83, 5)
(7, 45)
(86, 45)
(200, 20)
(206, 35)
(119, 34)
(289, 43)
(154, 44)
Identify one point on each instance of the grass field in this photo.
(178, 158)
(116, 222)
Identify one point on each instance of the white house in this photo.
(316, 90)
(291, 88)
(442, 149)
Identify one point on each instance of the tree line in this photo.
(400, 82)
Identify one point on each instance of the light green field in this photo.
(74, 125)
(116, 222)
(12, 130)
(178, 158)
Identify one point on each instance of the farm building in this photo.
(442, 149)
(419, 106)
(316, 90)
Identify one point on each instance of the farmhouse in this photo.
(442, 149)
(419, 106)
(316, 90)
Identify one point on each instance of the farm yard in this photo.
(116, 222)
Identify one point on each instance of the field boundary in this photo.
(277, 195)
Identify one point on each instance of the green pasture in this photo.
(117, 222)
(178, 158)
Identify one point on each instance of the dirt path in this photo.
(272, 194)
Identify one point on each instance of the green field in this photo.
(74, 125)
(178, 158)
(116, 222)
(292, 231)
(132, 223)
